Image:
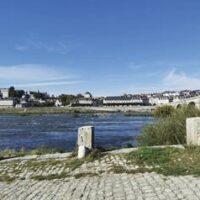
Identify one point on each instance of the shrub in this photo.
(163, 111)
(168, 130)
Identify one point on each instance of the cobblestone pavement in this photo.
(55, 178)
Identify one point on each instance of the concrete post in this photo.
(82, 151)
(193, 131)
(85, 140)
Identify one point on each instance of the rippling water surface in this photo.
(60, 131)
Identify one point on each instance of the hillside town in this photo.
(10, 97)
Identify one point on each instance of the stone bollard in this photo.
(85, 140)
(193, 131)
(82, 152)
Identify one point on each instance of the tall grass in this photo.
(169, 127)
(163, 111)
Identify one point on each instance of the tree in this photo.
(40, 95)
(12, 92)
(19, 93)
(66, 99)
(15, 93)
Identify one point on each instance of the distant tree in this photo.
(15, 93)
(12, 92)
(80, 96)
(66, 99)
(39, 95)
(19, 93)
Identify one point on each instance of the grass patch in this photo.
(6, 178)
(74, 164)
(82, 175)
(69, 164)
(166, 161)
(120, 170)
(46, 150)
(149, 156)
(95, 154)
(51, 177)
(169, 128)
(11, 153)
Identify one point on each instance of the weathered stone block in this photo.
(82, 152)
(193, 131)
(86, 137)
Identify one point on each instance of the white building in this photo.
(123, 100)
(176, 99)
(7, 103)
(185, 93)
(58, 103)
(170, 94)
(4, 92)
(159, 100)
(85, 102)
(23, 104)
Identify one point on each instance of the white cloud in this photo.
(135, 66)
(21, 47)
(48, 83)
(164, 64)
(179, 81)
(30, 75)
(172, 80)
(57, 47)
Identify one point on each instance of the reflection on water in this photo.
(60, 131)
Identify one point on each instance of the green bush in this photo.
(168, 130)
(163, 111)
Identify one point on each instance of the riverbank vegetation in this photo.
(11, 153)
(73, 110)
(169, 127)
(41, 111)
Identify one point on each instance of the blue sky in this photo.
(107, 47)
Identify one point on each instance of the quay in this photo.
(46, 178)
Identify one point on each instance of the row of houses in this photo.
(125, 100)
(131, 100)
(29, 99)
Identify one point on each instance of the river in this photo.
(60, 130)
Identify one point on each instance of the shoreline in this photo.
(129, 111)
(69, 154)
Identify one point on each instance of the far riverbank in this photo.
(133, 110)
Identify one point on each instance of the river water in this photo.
(60, 130)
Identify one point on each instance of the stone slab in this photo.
(193, 131)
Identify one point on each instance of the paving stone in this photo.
(107, 185)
